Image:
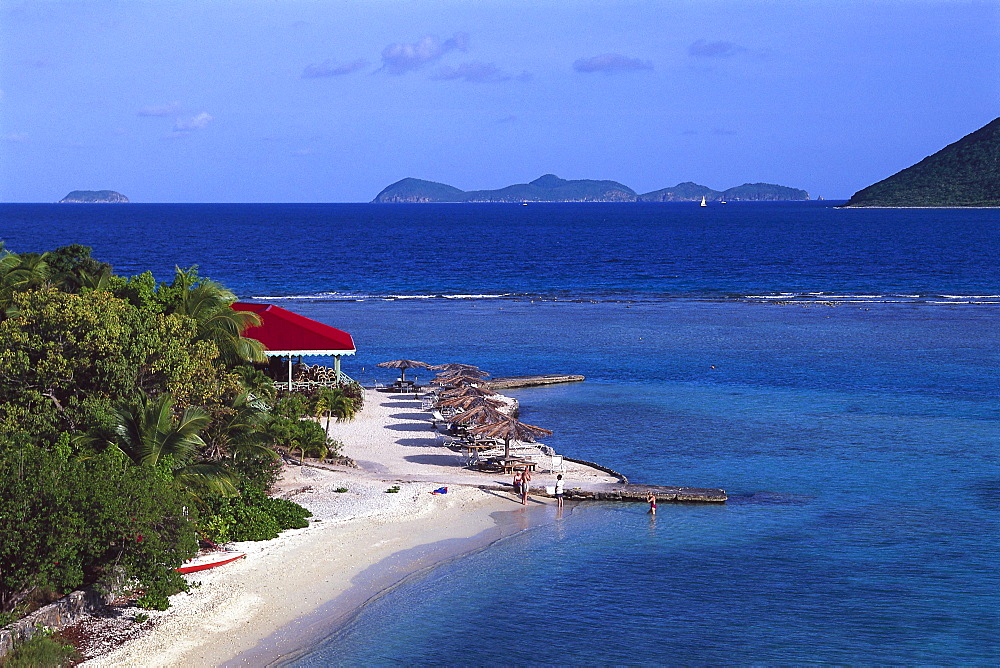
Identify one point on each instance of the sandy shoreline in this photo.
(255, 609)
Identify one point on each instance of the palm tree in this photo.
(334, 402)
(99, 280)
(256, 383)
(241, 433)
(208, 304)
(150, 436)
(20, 272)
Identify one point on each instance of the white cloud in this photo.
(328, 69)
(402, 58)
(720, 49)
(169, 109)
(474, 72)
(199, 122)
(611, 62)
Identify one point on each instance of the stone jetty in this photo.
(511, 382)
(637, 493)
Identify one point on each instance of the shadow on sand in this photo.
(420, 417)
(411, 426)
(418, 442)
(437, 460)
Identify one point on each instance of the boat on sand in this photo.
(211, 560)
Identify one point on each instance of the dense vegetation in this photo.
(548, 188)
(748, 192)
(133, 421)
(966, 173)
(551, 188)
(94, 197)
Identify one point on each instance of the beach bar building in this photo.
(290, 335)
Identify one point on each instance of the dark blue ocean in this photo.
(836, 371)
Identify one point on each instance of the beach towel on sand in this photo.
(440, 490)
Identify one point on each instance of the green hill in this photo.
(551, 188)
(682, 192)
(94, 197)
(966, 173)
(763, 192)
(748, 192)
(417, 190)
(548, 188)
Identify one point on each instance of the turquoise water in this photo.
(858, 444)
(852, 413)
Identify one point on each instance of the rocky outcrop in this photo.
(67, 610)
(94, 197)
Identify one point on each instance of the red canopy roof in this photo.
(284, 332)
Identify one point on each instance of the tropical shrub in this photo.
(65, 522)
(42, 650)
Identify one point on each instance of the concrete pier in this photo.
(511, 382)
(637, 493)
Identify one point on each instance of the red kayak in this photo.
(210, 560)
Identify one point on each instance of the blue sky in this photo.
(330, 101)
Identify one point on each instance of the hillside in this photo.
(94, 197)
(748, 192)
(548, 188)
(682, 192)
(417, 190)
(551, 188)
(966, 173)
(763, 192)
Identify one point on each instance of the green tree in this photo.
(240, 432)
(20, 272)
(65, 522)
(334, 402)
(67, 360)
(73, 268)
(149, 434)
(209, 304)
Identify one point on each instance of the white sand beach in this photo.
(239, 605)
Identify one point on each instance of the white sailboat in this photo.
(703, 201)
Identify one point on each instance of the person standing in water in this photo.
(559, 491)
(525, 479)
(651, 500)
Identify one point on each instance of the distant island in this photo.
(748, 192)
(94, 197)
(966, 173)
(551, 188)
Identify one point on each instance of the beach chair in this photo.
(556, 464)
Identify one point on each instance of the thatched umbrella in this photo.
(469, 401)
(467, 391)
(479, 415)
(403, 365)
(474, 373)
(451, 366)
(455, 381)
(510, 429)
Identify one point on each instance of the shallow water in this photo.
(857, 440)
(858, 447)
